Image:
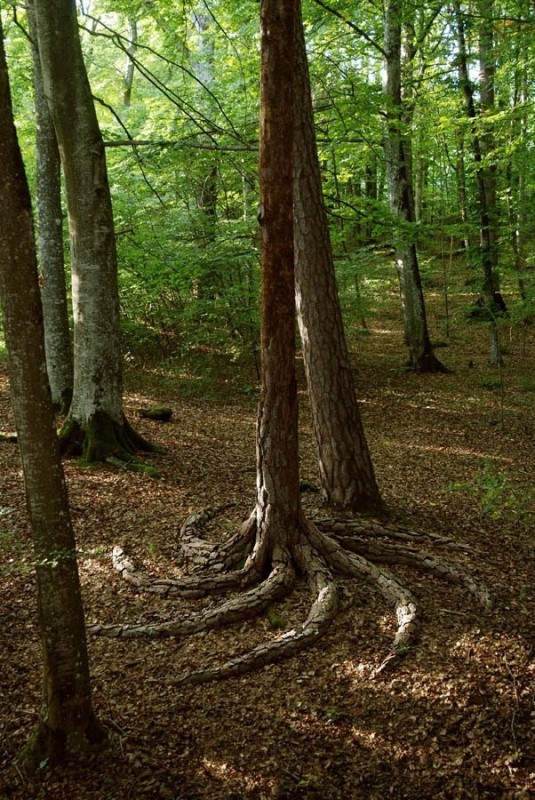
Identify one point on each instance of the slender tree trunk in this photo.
(210, 282)
(397, 150)
(67, 724)
(96, 425)
(58, 345)
(346, 470)
(460, 172)
(485, 193)
(278, 499)
(129, 68)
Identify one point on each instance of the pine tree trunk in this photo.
(58, 345)
(346, 470)
(67, 724)
(278, 500)
(96, 425)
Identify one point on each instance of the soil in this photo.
(454, 455)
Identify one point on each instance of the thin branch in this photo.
(220, 148)
(354, 27)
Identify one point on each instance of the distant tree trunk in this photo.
(210, 281)
(485, 191)
(460, 172)
(278, 498)
(96, 425)
(346, 470)
(67, 724)
(58, 345)
(129, 68)
(421, 356)
(516, 179)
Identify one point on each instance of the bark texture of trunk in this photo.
(96, 425)
(278, 500)
(67, 724)
(58, 344)
(346, 469)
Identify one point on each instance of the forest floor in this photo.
(454, 455)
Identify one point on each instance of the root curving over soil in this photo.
(320, 553)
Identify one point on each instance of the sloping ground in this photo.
(454, 455)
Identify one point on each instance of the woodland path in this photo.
(457, 717)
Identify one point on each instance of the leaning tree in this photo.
(346, 470)
(96, 425)
(278, 544)
(67, 725)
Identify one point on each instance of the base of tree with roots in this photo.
(316, 552)
(278, 545)
(103, 439)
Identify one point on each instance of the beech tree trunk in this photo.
(58, 344)
(96, 425)
(401, 197)
(278, 500)
(67, 724)
(486, 194)
(346, 470)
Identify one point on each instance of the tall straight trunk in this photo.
(516, 174)
(401, 198)
(58, 344)
(67, 724)
(485, 193)
(128, 80)
(96, 424)
(278, 500)
(346, 470)
(210, 283)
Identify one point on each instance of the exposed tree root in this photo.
(248, 604)
(319, 619)
(187, 588)
(353, 548)
(103, 439)
(367, 527)
(221, 555)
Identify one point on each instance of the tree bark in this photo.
(401, 197)
(346, 470)
(96, 425)
(486, 194)
(58, 344)
(128, 81)
(278, 500)
(67, 724)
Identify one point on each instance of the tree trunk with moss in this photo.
(96, 426)
(346, 470)
(67, 724)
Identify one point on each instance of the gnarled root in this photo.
(236, 609)
(317, 552)
(317, 623)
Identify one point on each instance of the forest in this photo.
(267, 282)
